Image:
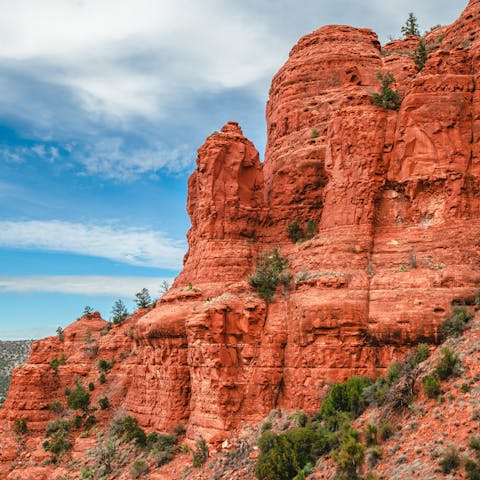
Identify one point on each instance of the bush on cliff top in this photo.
(387, 98)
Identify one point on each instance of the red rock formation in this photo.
(395, 198)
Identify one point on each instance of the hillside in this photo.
(12, 353)
(341, 254)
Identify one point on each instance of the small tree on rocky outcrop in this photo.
(420, 55)
(143, 298)
(119, 312)
(387, 98)
(411, 26)
(271, 271)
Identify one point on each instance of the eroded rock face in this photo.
(395, 196)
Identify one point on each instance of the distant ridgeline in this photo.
(12, 353)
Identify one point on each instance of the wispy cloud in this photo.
(134, 246)
(94, 285)
(108, 158)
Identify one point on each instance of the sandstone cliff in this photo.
(395, 198)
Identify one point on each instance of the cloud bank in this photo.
(94, 285)
(134, 246)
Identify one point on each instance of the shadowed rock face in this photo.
(395, 195)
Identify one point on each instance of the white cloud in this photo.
(134, 246)
(136, 57)
(94, 285)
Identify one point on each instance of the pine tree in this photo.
(411, 26)
(143, 298)
(119, 312)
(420, 55)
(387, 98)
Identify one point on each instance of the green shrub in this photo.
(57, 441)
(79, 399)
(420, 355)
(102, 378)
(465, 387)
(450, 460)
(77, 421)
(385, 430)
(454, 325)
(127, 427)
(87, 473)
(56, 407)
(472, 469)
(294, 231)
(105, 365)
(387, 98)
(314, 133)
(104, 403)
(448, 364)
(57, 361)
(374, 455)
(345, 397)
(420, 55)
(91, 386)
(266, 441)
(279, 462)
(299, 419)
(431, 386)
(20, 426)
(394, 372)
(139, 468)
(270, 273)
(267, 425)
(474, 443)
(200, 454)
(90, 421)
(370, 432)
(349, 457)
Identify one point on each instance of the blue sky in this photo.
(104, 104)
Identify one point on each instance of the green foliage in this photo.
(200, 454)
(454, 325)
(266, 441)
(270, 273)
(387, 98)
(472, 469)
(119, 312)
(370, 433)
(87, 310)
(474, 443)
(56, 407)
(394, 373)
(267, 425)
(299, 419)
(420, 55)
(419, 356)
(431, 386)
(57, 361)
(448, 364)
(385, 430)
(106, 456)
(314, 133)
(450, 460)
(20, 426)
(411, 26)
(79, 399)
(127, 427)
(465, 387)
(279, 462)
(139, 468)
(104, 403)
(90, 421)
(296, 233)
(350, 456)
(105, 365)
(60, 333)
(57, 439)
(143, 299)
(87, 473)
(345, 397)
(102, 379)
(91, 386)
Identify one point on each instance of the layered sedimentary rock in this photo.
(395, 196)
